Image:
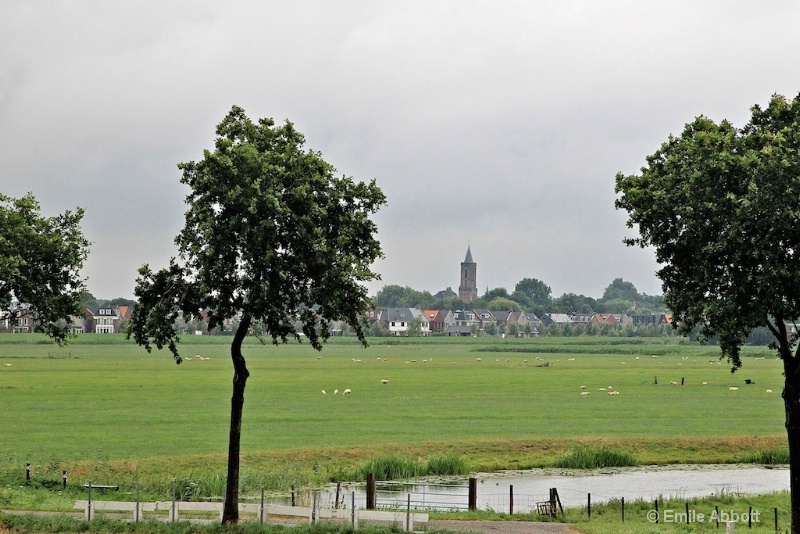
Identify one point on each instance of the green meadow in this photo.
(106, 410)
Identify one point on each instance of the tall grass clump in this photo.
(447, 464)
(592, 458)
(391, 468)
(774, 456)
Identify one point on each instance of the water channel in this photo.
(532, 486)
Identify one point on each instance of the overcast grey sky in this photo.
(499, 124)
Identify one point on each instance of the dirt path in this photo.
(502, 527)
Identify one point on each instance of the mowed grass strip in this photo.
(116, 402)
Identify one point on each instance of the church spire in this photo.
(468, 259)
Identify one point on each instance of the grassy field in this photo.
(102, 408)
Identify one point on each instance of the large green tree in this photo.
(40, 262)
(272, 236)
(721, 207)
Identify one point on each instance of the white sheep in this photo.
(384, 381)
(478, 359)
(583, 388)
(346, 392)
(673, 383)
(769, 391)
(733, 388)
(584, 393)
(335, 391)
(705, 383)
(324, 392)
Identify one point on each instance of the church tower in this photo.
(468, 290)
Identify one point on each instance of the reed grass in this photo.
(772, 456)
(593, 458)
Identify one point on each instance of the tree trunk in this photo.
(230, 511)
(791, 402)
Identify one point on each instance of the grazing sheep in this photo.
(705, 383)
(319, 357)
(584, 393)
(583, 388)
(346, 392)
(424, 361)
(571, 360)
(478, 359)
(601, 389)
(637, 357)
(335, 391)
(324, 392)
(384, 381)
(413, 361)
(734, 388)
(7, 365)
(769, 391)
(673, 383)
(524, 361)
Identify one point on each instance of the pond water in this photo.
(529, 487)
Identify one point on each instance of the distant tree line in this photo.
(529, 295)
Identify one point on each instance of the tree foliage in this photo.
(271, 236)
(40, 263)
(721, 207)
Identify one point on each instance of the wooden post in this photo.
(313, 506)
(89, 506)
(656, 504)
(261, 511)
(687, 512)
(776, 520)
(750, 517)
(293, 501)
(353, 509)
(370, 491)
(655, 380)
(173, 512)
(682, 379)
(338, 487)
(716, 513)
(137, 512)
(589, 505)
(558, 500)
(28, 472)
(408, 514)
(472, 503)
(623, 509)
(511, 500)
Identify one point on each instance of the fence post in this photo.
(314, 506)
(137, 512)
(89, 505)
(64, 477)
(173, 511)
(750, 517)
(657, 518)
(28, 472)
(623, 509)
(716, 514)
(511, 499)
(687, 512)
(338, 488)
(589, 505)
(353, 509)
(293, 495)
(776, 520)
(730, 527)
(472, 503)
(370, 491)
(408, 514)
(261, 511)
